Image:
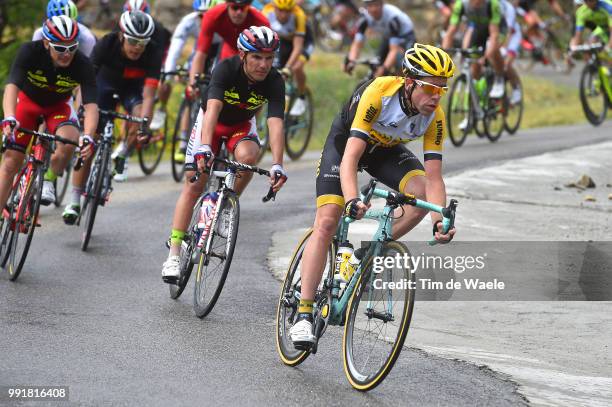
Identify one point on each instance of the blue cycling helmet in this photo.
(203, 5)
(62, 8)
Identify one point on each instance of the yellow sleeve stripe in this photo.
(330, 199)
(408, 177)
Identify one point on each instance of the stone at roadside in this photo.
(583, 183)
(589, 198)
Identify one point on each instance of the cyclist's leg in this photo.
(63, 122)
(26, 113)
(245, 147)
(399, 169)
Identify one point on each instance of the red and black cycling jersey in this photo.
(217, 21)
(114, 67)
(34, 73)
(241, 99)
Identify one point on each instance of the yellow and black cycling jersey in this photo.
(376, 114)
(295, 25)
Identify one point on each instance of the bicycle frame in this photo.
(474, 97)
(383, 234)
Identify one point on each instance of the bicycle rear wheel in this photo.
(187, 249)
(262, 131)
(25, 224)
(214, 266)
(150, 154)
(286, 310)
(515, 111)
(93, 194)
(495, 117)
(62, 183)
(592, 95)
(458, 118)
(377, 323)
(298, 130)
(179, 144)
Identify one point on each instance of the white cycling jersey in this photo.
(87, 39)
(514, 29)
(189, 26)
(394, 25)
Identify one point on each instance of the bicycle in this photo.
(595, 86)
(550, 49)
(99, 183)
(150, 153)
(215, 255)
(514, 111)
(469, 107)
(298, 129)
(20, 217)
(359, 299)
(190, 107)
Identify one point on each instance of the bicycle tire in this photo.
(456, 103)
(590, 72)
(94, 190)
(201, 305)
(178, 168)
(61, 184)
(295, 152)
(358, 379)
(29, 212)
(495, 118)
(150, 154)
(186, 265)
(284, 346)
(511, 125)
(5, 226)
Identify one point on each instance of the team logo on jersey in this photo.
(370, 114)
(439, 132)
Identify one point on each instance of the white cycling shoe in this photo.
(516, 96)
(171, 270)
(47, 196)
(159, 117)
(298, 108)
(497, 90)
(301, 334)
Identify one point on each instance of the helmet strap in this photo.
(406, 100)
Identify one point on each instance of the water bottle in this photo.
(345, 251)
(207, 212)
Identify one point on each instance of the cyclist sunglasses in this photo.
(237, 7)
(61, 49)
(430, 88)
(137, 42)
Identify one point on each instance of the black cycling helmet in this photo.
(240, 2)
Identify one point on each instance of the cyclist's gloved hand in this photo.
(286, 72)
(349, 65)
(355, 209)
(144, 133)
(278, 176)
(439, 235)
(9, 124)
(87, 146)
(204, 157)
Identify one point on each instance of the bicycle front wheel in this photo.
(514, 114)
(298, 130)
(8, 225)
(214, 265)
(592, 95)
(25, 223)
(288, 302)
(458, 111)
(377, 322)
(150, 154)
(93, 194)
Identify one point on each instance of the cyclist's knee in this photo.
(416, 187)
(247, 152)
(11, 162)
(326, 221)
(193, 189)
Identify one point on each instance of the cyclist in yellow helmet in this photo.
(290, 22)
(370, 133)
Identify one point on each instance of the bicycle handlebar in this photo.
(467, 53)
(53, 137)
(587, 47)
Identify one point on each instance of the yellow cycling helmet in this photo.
(427, 60)
(284, 4)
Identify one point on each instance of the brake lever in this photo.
(271, 195)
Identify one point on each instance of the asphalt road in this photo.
(102, 322)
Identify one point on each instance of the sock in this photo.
(76, 196)
(50, 175)
(176, 238)
(305, 306)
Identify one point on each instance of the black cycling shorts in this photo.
(393, 166)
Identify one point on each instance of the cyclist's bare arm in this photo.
(209, 121)
(9, 101)
(494, 36)
(298, 47)
(91, 118)
(197, 65)
(355, 50)
(277, 145)
(389, 62)
(554, 4)
(467, 38)
(435, 190)
(148, 100)
(448, 37)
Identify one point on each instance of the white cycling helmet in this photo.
(137, 24)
